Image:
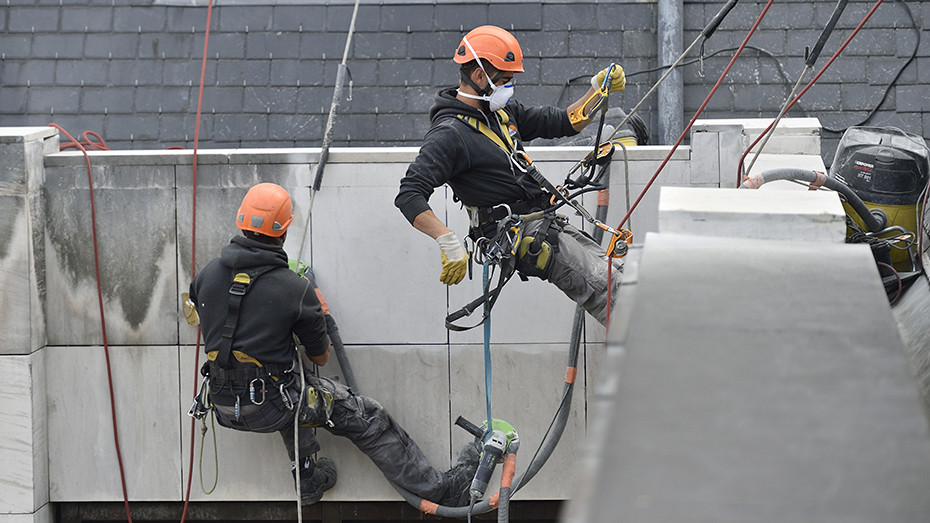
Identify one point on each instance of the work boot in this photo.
(458, 478)
(314, 484)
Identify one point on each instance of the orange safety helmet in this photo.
(493, 44)
(266, 209)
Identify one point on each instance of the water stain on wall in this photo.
(134, 227)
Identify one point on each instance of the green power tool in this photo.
(501, 439)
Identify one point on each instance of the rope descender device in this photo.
(617, 248)
(599, 98)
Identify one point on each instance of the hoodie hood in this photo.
(446, 103)
(243, 253)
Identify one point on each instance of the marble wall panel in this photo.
(135, 225)
(82, 456)
(815, 216)
(24, 446)
(379, 275)
(712, 420)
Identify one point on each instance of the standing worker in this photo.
(475, 144)
(253, 309)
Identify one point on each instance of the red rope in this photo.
(103, 322)
(697, 114)
(739, 174)
(90, 139)
(203, 69)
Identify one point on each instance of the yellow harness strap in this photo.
(481, 127)
(239, 355)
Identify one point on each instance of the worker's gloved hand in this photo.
(617, 79)
(454, 262)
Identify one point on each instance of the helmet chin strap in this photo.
(485, 92)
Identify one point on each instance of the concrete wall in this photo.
(130, 70)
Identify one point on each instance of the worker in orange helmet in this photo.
(475, 145)
(255, 313)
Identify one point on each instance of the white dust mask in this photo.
(500, 94)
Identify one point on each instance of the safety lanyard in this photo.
(482, 128)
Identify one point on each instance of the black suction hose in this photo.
(336, 339)
(818, 179)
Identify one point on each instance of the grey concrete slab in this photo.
(912, 313)
(760, 381)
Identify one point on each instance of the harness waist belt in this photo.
(499, 212)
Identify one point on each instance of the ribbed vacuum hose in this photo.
(817, 179)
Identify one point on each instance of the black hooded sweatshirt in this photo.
(277, 304)
(476, 168)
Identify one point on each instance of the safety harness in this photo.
(276, 383)
(497, 232)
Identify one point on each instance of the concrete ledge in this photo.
(744, 213)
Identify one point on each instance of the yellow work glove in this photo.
(454, 262)
(617, 79)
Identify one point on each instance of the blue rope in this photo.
(487, 349)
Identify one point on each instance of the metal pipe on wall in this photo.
(671, 92)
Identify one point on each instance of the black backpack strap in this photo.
(242, 281)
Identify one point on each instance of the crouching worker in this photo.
(252, 308)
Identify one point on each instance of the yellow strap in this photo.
(481, 127)
(240, 356)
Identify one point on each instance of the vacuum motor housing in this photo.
(888, 169)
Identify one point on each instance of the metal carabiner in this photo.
(285, 397)
(252, 391)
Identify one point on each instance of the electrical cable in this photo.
(697, 114)
(103, 322)
(898, 278)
